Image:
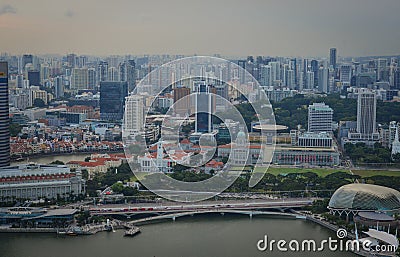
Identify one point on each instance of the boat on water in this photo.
(132, 231)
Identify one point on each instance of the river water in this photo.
(198, 236)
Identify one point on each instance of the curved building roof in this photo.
(365, 197)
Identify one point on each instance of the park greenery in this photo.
(293, 111)
(361, 153)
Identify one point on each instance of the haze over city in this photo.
(275, 28)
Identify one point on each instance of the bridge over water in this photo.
(174, 216)
(170, 210)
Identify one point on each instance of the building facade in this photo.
(4, 116)
(320, 118)
(33, 181)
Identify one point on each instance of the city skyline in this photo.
(280, 28)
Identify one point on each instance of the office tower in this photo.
(20, 81)
(102, 71)
(396, 78)
(59, 87)
(293, 66)
(242, 73)
(91, 84)
(382, 71)
(122, 73)
(323, 78)
(320, 118)
(333, 57)
(204, 103)
(113, 74)
(79, 78)
(4, 117)
(44, 73)
(291, 80)
(314, 68)
(366, 113)
(275, 71)
(82, 60)
(26, 58)
(34, 77)
(133, 116)
(396, 143)
(112, 100)
(345, 74)
(265, 76)
(309, 80)
(182, 104)
(131, 75)
(71, 60)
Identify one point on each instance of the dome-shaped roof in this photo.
(241, 134)
(365, 197)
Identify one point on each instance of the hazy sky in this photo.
(228, 27)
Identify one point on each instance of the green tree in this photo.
(117, 187)
(57, 162)
(38, 103)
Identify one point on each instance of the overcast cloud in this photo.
(229, 27)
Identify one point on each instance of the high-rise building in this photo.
(314, 68)
(71, 60)
(333, 57)
(323, 78)
(4, 117)
(79, 79)
(366, 113)
(131, 75)
(396, 143)
(345, 74)
(182, 101)
(113, 74)
(112, 100)
(320, 118)
(34, 77)
(20, 81)
(204, 103)
(26, 58)
(133, 116)
(59, 87)
(102, 71)
(309, 80)
(91, 84)
(382, 71)
(265, 76)
(242, 73)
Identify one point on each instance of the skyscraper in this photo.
(345, 74)
(333, 57)
(79, 79)
(204, 106)
(382, 70)
(323, 78)
(366, 113)
(4, 117)
(133, 116)
(182, 101)
(320, 118)
(314, 68)
(131, 75)
(112, 100)
(91, 84)
(34, 77)
(59, 87)
(265, 75)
